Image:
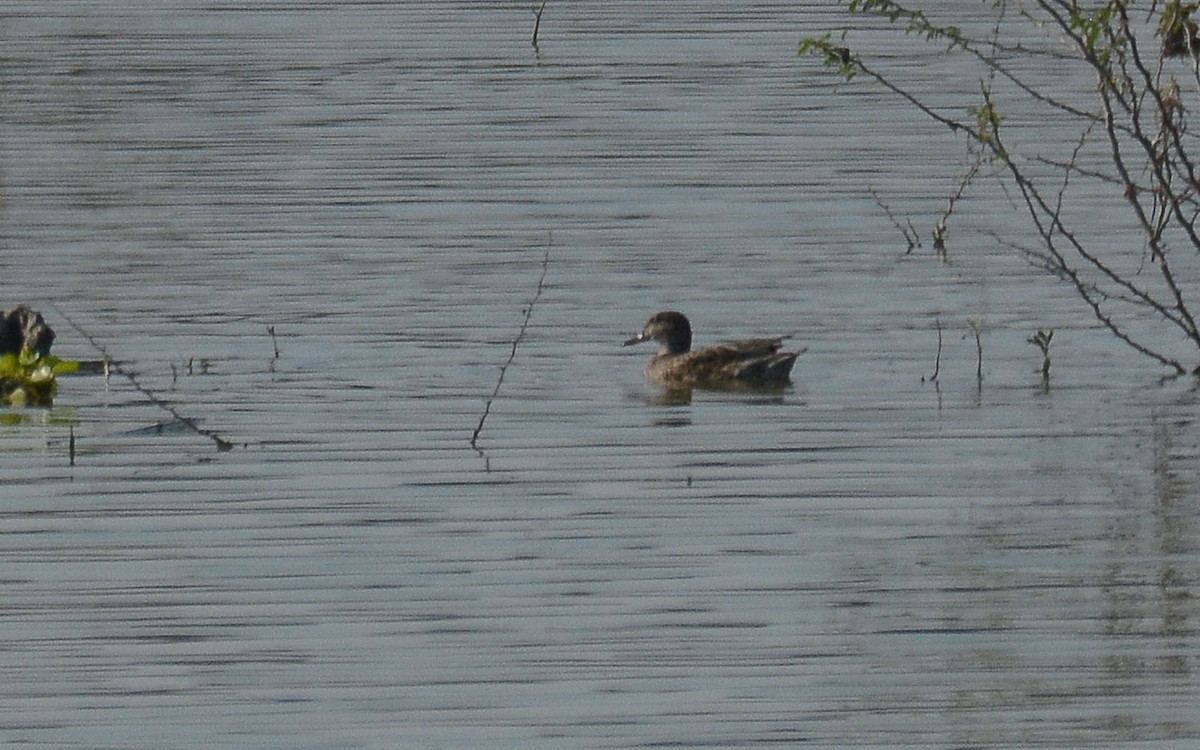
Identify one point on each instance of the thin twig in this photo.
(537, 22)
(937, 358)
(275, 345)
(910, 233)
(1049, 223)
(977, 329)
(939, 231)
(112, 365)
(512, 354)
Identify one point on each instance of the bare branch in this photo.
(1140, 123)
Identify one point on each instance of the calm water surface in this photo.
(868, 560)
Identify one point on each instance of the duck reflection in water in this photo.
(752, 365)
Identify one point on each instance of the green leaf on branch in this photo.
(987, 124)
(833, 56)
(915, 21)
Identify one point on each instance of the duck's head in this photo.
(670, 329)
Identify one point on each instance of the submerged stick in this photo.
(512, 354)
(113, 366)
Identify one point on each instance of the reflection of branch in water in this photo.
(487, 407)
(114, 366)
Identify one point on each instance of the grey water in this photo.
(870, 559)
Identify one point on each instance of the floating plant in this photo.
(29, 379)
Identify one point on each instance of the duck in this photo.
(751, 362)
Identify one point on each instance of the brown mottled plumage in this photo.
(750, 362)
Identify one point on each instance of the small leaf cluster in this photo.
(28, 379)
(1178, 30)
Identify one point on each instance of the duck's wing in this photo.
(768, 368)
(749, 360)
(753, 347)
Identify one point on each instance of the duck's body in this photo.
(740, 363)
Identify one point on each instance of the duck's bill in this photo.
(635, 340)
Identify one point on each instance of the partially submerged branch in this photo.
(939, 230)
(1138, 127)
(537, 22)
(911, 237)
(937, 357)
(1041, 339)
(112, 365)
(512, 354)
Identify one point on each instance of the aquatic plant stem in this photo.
(512, 354)
(112, 365)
